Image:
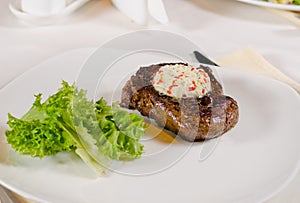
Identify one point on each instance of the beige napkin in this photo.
(247, 59)
(292, 16)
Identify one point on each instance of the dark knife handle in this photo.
(203, 59)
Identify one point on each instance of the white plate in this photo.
(251, 163)
(290, 7)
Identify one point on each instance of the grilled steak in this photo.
(194, 119)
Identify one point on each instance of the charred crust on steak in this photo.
(194, 119)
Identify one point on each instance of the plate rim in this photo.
(290, 7)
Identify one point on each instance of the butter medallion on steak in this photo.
(186, 100)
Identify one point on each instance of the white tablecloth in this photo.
(219, 27)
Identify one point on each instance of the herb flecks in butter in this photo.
(180, 81)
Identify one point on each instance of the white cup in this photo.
(43, 7)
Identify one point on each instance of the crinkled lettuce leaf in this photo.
(39, 132)
(68, 121)
(109, 130)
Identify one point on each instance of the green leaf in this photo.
(68, 121)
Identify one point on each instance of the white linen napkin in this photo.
(140, 11)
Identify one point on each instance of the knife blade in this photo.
(203, 59)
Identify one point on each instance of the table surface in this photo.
(219, 27)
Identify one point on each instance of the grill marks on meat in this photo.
(194, 119)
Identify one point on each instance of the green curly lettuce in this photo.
(68, 121)
(39, 132)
